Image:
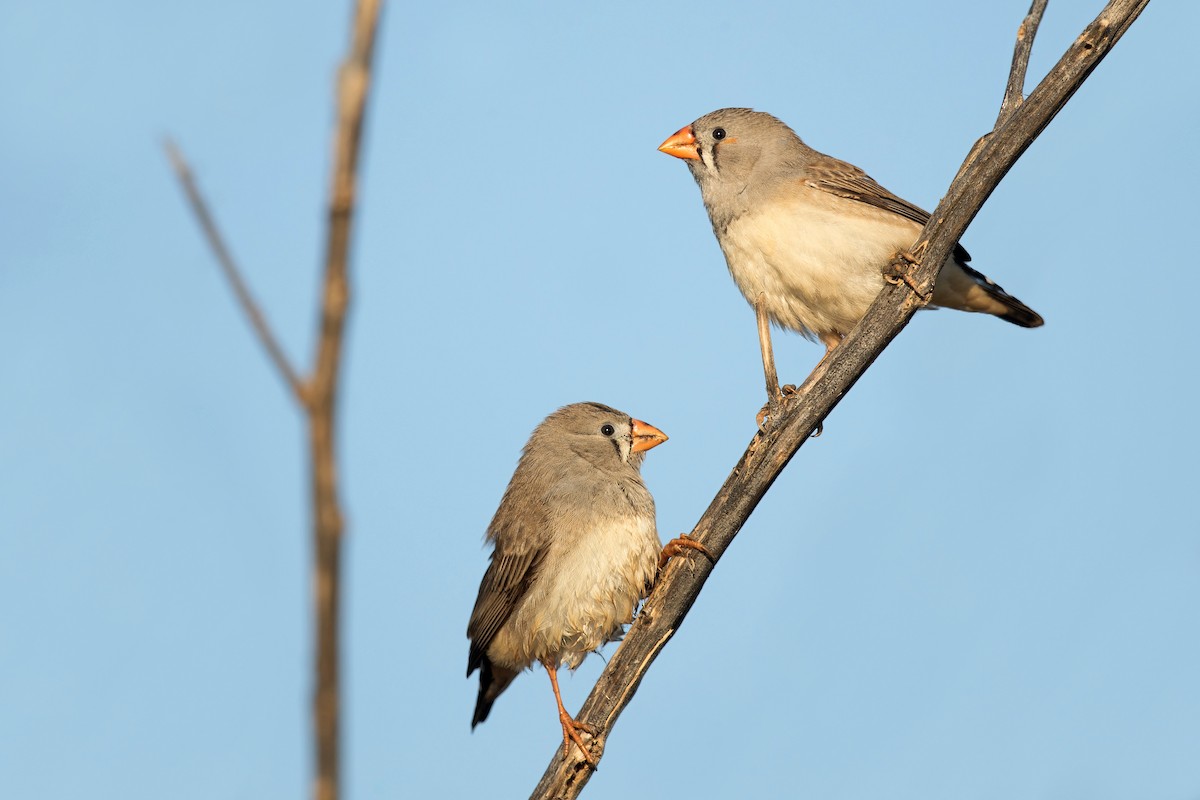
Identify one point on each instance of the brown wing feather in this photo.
(848, 181)
(506, 581)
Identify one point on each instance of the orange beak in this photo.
(682, 144)
(646, 436)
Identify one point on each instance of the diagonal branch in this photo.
(233, 274)
(768, 454)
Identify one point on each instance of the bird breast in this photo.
(816, 257)
(591, 580)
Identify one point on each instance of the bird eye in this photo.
(607, 430)
(719, 134)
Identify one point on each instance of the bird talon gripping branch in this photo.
(680, 545)
(899, 271)
(571, 728)
(771, 410)
(916, 254)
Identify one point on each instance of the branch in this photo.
(767, 454)
(354, 81)
(318, 398)
(1014, 93)
(233, 274)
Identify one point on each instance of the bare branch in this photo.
(318, 398)
(768, 454)
(354, 81)
(232, 273)
(1014, 93)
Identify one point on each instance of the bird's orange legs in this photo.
(678, 546)
(570, 725)
(831, 341)
(900, 271)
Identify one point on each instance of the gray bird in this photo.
(576, 549)
(807, 236)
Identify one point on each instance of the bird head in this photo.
(730, 148)
(607, 438)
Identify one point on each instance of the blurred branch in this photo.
(232, 273)
(354, 81)
(318, 396)
(767, 454)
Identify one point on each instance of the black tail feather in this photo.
(492, 682)
(1017, 312)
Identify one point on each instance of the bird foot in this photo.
(899, 271)
(571, 728)
(775, 404)
(678, 546)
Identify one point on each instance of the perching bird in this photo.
(807, 236)
(576, 549)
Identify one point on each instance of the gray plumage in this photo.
(810, 233)
(575, 549)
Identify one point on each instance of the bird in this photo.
(575, 549)
(807, 236)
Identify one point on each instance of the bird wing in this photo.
(514, 566)
(846, 180)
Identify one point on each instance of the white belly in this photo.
(600, 577)
(817, 263)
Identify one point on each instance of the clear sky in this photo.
(983, 581)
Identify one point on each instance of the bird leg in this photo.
(570, 725)
(831, 340)
(678, 546)
(900, 271)
(774, 395)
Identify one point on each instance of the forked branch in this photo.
(317, 397)
(1014, 92)
(233, 273)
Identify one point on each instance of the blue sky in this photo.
(982, 581)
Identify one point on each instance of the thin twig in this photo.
(1014, 93)
(354, 81)
(767, 455)
(233, 274)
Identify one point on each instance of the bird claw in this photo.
(773, 409)
(678, 546)
(571, 728)
(915, 255)
(770, 410)
(899, 271)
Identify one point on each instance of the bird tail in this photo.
(493, 681)
(1010, 308)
